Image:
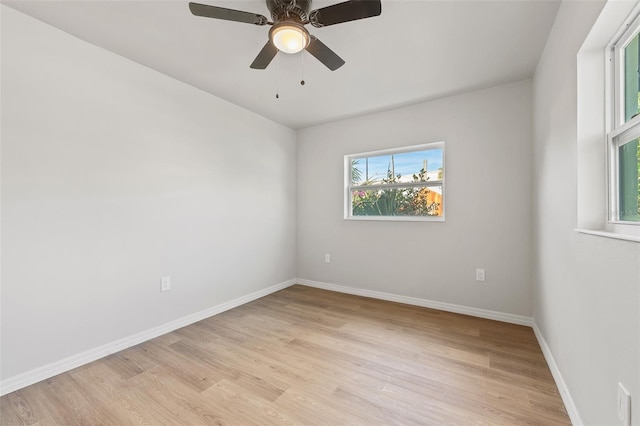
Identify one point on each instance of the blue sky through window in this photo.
(406, 163)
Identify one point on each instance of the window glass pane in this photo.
(397, 168)
(629, 181)
(631, 79)
(426, 201)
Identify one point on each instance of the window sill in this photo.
(613, 235)
(397, 218)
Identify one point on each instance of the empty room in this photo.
(395, 212)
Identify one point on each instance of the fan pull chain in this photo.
(302, 70)
(277, 76)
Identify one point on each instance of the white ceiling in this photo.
(415, 51)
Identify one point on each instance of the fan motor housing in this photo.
(287, 10)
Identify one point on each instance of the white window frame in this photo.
(348, 187)
(619, 132)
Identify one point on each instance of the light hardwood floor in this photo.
(309, 356)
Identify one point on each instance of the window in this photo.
(623, 146)
(625, 185)
(397, 184)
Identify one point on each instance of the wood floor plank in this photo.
(247, 407)
(186, 405)
(311, 357)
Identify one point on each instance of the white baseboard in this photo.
(572, 410)
(425, 303)
(42, 373)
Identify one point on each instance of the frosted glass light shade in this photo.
(289, 38)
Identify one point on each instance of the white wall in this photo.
(114, 175)
(488, 204)
(587, 288)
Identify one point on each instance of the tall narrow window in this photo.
(399, 184)
(624, 149)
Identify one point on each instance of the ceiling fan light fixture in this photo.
(289, 37)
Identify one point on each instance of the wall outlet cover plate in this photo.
(624, 405)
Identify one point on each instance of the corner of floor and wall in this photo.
(115, 176)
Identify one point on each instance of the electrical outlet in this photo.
(327, 258)
(480, 275)
(165, 283)
(624, 405)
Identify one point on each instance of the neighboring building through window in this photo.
(624, 136)
(396, 184)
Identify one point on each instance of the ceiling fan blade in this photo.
(344, 12)
(265, 56)
(324, 54)
(227, 14)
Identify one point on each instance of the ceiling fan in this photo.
(287, 33)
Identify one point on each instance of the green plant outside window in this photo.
(629, 181)
(631, 78)
(629, 153)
